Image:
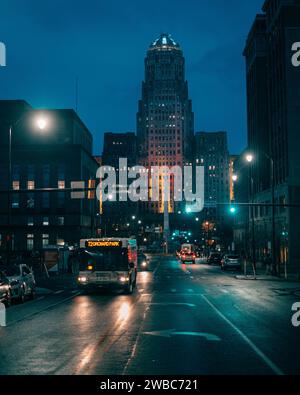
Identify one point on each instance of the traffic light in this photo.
(188, 209)
(232, 210)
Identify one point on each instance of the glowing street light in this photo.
(234, 178)
(42, 123)
(249, 158)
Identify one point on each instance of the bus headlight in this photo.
(123, 279)
(82, 279)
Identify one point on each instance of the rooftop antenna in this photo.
(76, 94)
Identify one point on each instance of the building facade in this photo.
(211, 151)
(45, 165)
(165, 121)
(273, 92)
(119, 217)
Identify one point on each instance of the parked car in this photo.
(21, 280)
(5, 290)
(214, 259)
(231, 262)
(143, 261)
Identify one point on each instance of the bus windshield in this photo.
(105, 259)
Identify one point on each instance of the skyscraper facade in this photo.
(273, 93)
(165, 120)
(211, 151)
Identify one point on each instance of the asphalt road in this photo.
(182, 320)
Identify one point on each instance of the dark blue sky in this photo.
(104, 43)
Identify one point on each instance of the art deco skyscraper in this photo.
(165, 121)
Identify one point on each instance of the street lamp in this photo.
(234, 178)
(249, 159)
(41, 123)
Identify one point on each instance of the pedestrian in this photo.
(268, 264)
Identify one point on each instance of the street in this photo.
(191, 319)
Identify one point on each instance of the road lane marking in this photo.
(43, 310)
(40, 298)
(173, 290)
(172, 304)
(260, 353)
(59, 292)
(190, 290)
(173, 332)
(134, 348)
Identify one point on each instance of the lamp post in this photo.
(41, 123)
(249, 159)
(272, 171)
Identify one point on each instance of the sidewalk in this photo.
(56, 281)
(262, 276)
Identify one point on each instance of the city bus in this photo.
(107, 263)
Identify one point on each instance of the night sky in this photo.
(50, 43)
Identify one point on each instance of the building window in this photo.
(46, 176)
(46, 200)
(61, 195)
(61, 221)
(45, 240)
(61, 184)
(30, 242)
(45, 221)
(15, 202)
(30, 200)
(16, 173)
(16, 185)
(30, 172)
(61, 172)
(30, 185)
(30, 221)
